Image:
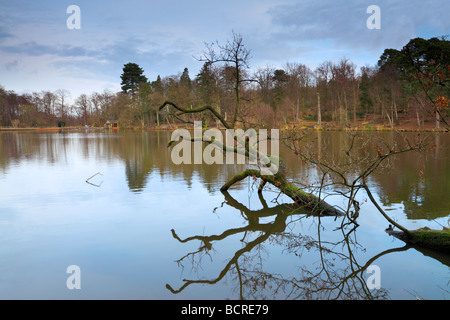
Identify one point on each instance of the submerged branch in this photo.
(300, 197)
(438, 240)
(93, 184)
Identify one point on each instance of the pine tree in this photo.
(131, 77)
(205, 84)
(185, 80)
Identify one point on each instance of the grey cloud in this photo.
(5, 35)
(344, 22)
(162, 52)
(12, 66)
(5, 32)
(29, 48)
(35, 49)
(73, 51)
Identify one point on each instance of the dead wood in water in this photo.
(93, 184)
(438, 240)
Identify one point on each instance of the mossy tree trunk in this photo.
(432, 239)
(301, 198)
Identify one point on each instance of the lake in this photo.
(140, 227)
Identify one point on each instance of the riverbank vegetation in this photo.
(408, 90)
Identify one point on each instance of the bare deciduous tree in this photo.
(235, 56)
(62, 96)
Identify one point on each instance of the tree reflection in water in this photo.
(338, 275)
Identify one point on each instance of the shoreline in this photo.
(308, 127)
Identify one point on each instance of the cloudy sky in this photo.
(39, 52)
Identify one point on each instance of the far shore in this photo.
(305, 125)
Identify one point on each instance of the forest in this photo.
(407, 89)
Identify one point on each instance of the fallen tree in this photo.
(270, 168)
(300, 197)
(438, 240)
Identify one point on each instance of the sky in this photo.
(38, 51)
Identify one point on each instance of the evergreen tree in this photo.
(157, 85)
(185, 81)
(423, 66)
(364, 96)
(131, 77)
(205, 84)
(280, 78)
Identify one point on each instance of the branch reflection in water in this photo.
(330, 280)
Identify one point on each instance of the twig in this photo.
(93, 184)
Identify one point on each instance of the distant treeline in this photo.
(409, 85)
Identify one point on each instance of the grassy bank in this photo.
(39, 129)
(304, 125)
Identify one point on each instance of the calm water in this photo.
(117, 228)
